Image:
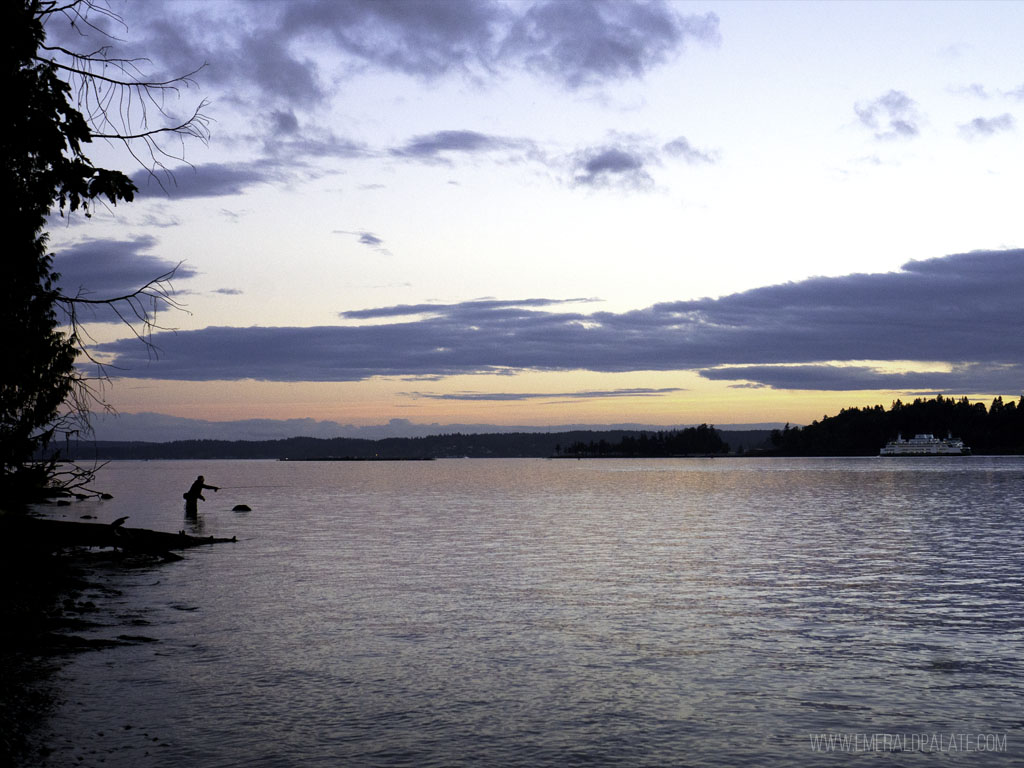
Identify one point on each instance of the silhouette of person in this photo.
(193, 494)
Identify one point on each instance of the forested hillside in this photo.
(998, 429)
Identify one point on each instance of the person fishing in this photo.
(193, 494)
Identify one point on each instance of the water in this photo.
(538, 613)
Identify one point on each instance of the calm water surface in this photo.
(534, 613)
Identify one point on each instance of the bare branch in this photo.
(136, 310)
(72, 11)
(173, 84)
(195, 126)
(118, 100)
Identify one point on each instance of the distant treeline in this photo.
(489, 445)
(692, 441)
(998, 429)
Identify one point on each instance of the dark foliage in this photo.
(42, 166)
(692, 441)
(864, 431)
(44, 169)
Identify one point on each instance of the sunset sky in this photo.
(549, 213)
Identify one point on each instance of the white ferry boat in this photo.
(925, 445)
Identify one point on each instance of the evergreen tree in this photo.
(44, 168)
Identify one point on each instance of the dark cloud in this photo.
(893, 115)
(622, 163)
(207, 180)
(557, 396)
(229, 291)
(426, 38)
(466, 308)
(959, 380)
(284, 122)
(311, 143)
(981, 127)
(434, 146)
(249, 54)
(681, 147)
(99, 269)
(574, 43)
(963, 310)
(368, 239)
(584, 42)
(612, 167)
(272, 63)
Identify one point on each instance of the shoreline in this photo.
(51, 569)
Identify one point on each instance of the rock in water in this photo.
(241, 508)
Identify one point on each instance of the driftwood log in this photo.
(52, 535)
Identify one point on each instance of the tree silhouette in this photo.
(692, 441)
(864, 431)
(58, 101)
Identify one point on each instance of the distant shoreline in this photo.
(454, 445)
(360, 458)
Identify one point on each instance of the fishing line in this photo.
(236, 487)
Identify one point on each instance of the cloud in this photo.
(681, 147)
(264, 50)
(100, 269)
(292, 146)
(981, 127)
(284, 122)
(976, 90)
(207, 180)
(893, 115)
(962, 310)
(959, 380)
(572, 42)
(1016, 93)
(242, 53)
(585, 42)
(622, 163)
(425, 39)
(611, 167)
(276, 67)
(625, 162)
(483, 307)
(366, 238)
(558, 396)
(433, 146)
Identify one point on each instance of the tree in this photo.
(58, 101)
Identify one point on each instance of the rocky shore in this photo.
(49, 570)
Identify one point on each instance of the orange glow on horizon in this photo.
(377, 401)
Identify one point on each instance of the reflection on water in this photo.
(521, 612)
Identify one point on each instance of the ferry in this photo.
(925, 445)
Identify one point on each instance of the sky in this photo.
(551, 213)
